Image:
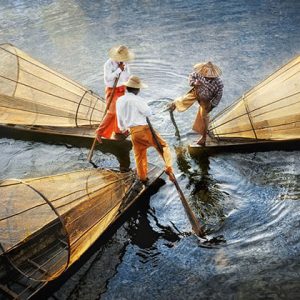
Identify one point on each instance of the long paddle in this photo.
(177, 134)
(193, 220)
(90, 155)
(171, 111)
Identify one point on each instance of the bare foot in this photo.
(98, 137)
(201, 142)
(169, 172)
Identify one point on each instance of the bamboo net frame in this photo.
(47, 223)
(32, 94)
(269, 111)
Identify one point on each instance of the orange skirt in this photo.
(109, 124)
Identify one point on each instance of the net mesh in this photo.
(33, 94)
(47, 223)
(269, 111)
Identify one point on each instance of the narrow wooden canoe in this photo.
(265, 117)
(37, 102)
(47, 223)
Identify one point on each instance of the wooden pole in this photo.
(177, 134)
(91, 152)
(193, 220)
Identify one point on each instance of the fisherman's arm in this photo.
(109, 73)
(126, 72)
(120, 122)
(182, 103)
(142, 106)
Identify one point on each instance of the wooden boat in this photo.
(265, 117)
(39, 103)
(47, 223)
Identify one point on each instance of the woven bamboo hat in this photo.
(121, 53)
(135, 82)
(209, 70)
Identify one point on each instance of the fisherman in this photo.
(116, 70)
(132, 111)
(207, 90)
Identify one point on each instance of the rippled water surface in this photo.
(252, 200)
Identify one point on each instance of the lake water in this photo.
(252, 200)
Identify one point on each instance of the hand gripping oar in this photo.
(90, 155)
(193, 220)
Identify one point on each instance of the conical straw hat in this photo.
(121, 54)
(208, 70)
(135, 82)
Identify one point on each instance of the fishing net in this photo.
(33, 94)
(47, 223)
(269, 111)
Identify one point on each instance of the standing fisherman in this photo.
(116, 71)
(207, 90)
(132, 111)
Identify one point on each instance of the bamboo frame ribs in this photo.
(39, 96)
(269, 111)
(47, 223)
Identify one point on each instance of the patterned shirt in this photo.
(210, 89)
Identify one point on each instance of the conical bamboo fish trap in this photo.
(31, 94)
(47, 223)
(270, 111)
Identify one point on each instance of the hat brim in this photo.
(135, 86)
(212, 71)
(124, 57)
(197, 67)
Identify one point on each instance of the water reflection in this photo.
(121, 152)
(205, 196)
(140, 230)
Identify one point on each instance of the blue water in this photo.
(252, 200)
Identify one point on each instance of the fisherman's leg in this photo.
(166, 155)
(106, 127)
(140, 154)
(204, 110)
(198, 123)
(120, 91)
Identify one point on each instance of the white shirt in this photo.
(132, 110)
(111, 72)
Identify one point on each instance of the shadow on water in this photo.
(121, 152)
(141, 232)
(205, 196)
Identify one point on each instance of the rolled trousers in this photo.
(142, 139)
(202, 118)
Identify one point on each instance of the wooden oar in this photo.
(90, 155)
(193, 220)
(177, 134)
